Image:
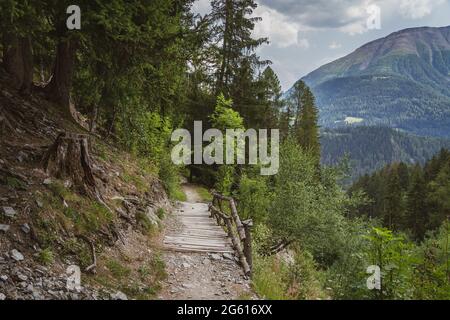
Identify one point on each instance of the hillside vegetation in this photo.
(401, 81)
(370, 148)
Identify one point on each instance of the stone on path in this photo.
(16, 255)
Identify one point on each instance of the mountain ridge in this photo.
(400, 81)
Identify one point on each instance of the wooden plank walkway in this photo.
(199, 232)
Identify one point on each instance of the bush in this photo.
(254, 199)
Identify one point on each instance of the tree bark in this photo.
(18, 62)
(93, 118)
(60, 85)
(28, 66)
(68, 158)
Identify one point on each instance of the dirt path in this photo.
(199, 275)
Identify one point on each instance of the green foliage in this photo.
(305, 209)
(254, 199)
(432, 273)
(118, 269)
(306, 116)
(46, 256)
(170, 177)
(291, 276)
(146, 224)
(224, 117)
(385, 146)
(394, 257)
(161, 213)
(15, 183)
(225, 179)
(205, 195)
(413, 199)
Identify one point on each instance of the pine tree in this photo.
(236, 47)
(394, 201)
(307, 129)
(270, 99)
(416, 207)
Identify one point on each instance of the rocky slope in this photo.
(47, 227)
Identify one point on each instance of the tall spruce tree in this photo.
(235, 45)
(306, 128)
(417, 215)
(270, 98)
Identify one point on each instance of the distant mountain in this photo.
(371, 148)
(400, 81)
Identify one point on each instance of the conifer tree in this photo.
(307, 129)
(416, 208)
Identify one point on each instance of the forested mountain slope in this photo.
(401, 81)
(370, 148)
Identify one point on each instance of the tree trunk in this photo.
(28, 64)
(18, 62)
(93, 118)
(60, 85)
(68, 158)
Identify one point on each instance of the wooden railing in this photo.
(239, 231)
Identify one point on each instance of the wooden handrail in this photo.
(242, 241)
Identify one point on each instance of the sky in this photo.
(306, 34)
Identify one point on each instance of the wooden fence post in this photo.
(248, 224)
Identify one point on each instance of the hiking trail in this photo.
(199, 257)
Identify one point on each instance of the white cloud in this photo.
(416, 9)
(278, 28)
(303, 43)
(201, 6)
(334, 45)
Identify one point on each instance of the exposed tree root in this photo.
(93, 266)
(68, 158)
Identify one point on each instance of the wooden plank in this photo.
(197, 243)
(193, 246)
(211, 250)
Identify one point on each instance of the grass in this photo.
(15, 183)
(268, 279)
(161, 213)
(136, 180)
(205, 195)
(146, 224)
(117, 269)
(141, 283)
(46, 257)
(177, 194)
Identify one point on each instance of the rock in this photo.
(150, 213)
(228, 256)
(119, 296)
(4, 227)
(47, 181)
(39, 203)
(2, 296)
(4, 277)
(26, 228)
(16, 255)
(9, 212)
(187, 286)
(185, 265)
(215, 257)
(22, 277)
